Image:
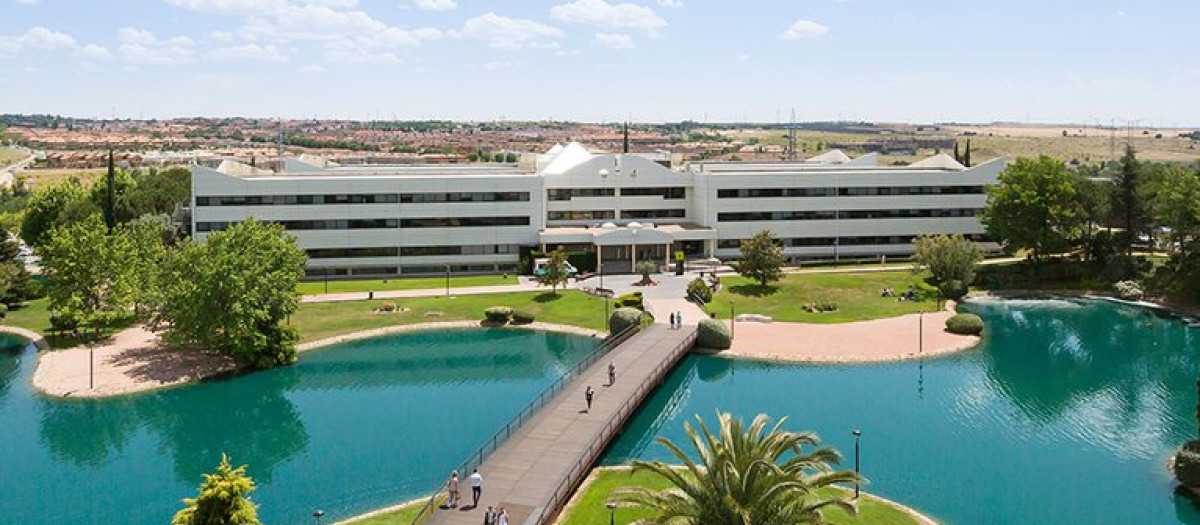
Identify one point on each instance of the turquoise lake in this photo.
(1065, 415)
(347, 429)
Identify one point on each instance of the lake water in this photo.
(1065, 415)
(347, 429)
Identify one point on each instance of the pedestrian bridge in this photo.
(536, 463)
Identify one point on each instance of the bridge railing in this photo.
(570, 481)
(476, 457)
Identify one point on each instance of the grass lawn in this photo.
(589, 507)
(856, 294)
(406, 283)
(401, 516)
(321, 320)
(10, 156)
(35, 316)
(37, 179)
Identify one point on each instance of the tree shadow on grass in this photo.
(754, 290)
(546, 297)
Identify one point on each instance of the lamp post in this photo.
(317, 515)
(91, 368)
(732, 321)
(857, 436)
(447, 281)
(612, 512)
(605, 297)
(326, 279)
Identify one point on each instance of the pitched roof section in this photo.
(238, 169)
(572, 155)
(835, 156)
(940, 161)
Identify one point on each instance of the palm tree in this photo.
(744, 476)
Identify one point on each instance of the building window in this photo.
(462, 222)
(674, 192)
(749, 216)
(493, 196)
(846, 215)
(344, 253)
(566, 194)
(580, 215)
(653, 214)
(340, 224)
(289, 200)
(877, 191)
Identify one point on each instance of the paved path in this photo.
(424, 292)
(526, 474)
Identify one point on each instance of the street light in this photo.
(605, 297)
(857, 435)
(732, 322)
(447, 281)
(317, 515)
(612, 512)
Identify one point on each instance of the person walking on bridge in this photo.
(489, 517)
(452, 488)
(587, 394)
(476, 487)
(612, 374)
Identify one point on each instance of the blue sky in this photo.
(604, 60)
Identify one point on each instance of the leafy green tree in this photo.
(158, 191)
(55, 206)
(646, 268)
(1176, 206)
(744, 476)
(555, 272)
(762, 258)
(222, 500)
(15, 284)
(1127, 200)
(948, 258)
(147, 237)
(88, 274)
(1094, 206)
(233, 292)
(1033, 207)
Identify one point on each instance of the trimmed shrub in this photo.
(498, 314)
(1187, 464)
(623, 318)
(953, 289)
(520, 317)
(712, 333)
(630, 300)
(965, 324)
(387, 307)
(700, 290)
(1128, 290)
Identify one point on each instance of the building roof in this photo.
(940, 161)
(835, 156)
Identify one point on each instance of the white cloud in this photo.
(804, 29)
(604, 14)
(674, 4)
(437, 5)
(93, 52)
(139, 46)
(496, 66)
(614, 41)
(247, 53)
(35, 38)
(502, 32)
(311, 69)
(28, 2)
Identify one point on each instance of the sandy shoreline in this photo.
(906, 337)
(136, 360)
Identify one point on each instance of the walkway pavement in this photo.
(526, 474)
(424, 292)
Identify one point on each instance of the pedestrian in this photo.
(502, 519)
(452, 488)
(476, 487)
(489, 517)
(587, 394)
(678, 319)
(612, 374)
(672, 320)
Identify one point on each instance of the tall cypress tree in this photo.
(957, 156)
(1128, 205)
(110, 194)
(625, 145)
(967, 155)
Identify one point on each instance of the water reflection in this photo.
(11, 349)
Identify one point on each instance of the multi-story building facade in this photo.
(389, 220)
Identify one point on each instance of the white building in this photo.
(387, 220)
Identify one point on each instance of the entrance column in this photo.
(667, 256)
(599, 259)
(710, 246)
(633, 258)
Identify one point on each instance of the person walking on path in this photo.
(678, 319)
(587, 394)
(502, 519)
(452, 488)
(489, 517)
(476, 487)
(672, 320)
(612, 374)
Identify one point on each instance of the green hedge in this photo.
(520, 317)
(711, 333)
(498, 314)
(700, 290)
(630, 300)
(965, 324)
(623, 318)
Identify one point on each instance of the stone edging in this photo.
(33, 337)
(773, 358)
(443, 325)
(591, 477)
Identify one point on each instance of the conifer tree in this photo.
(222, 499)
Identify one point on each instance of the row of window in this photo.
(358, 224)
(751, 193)
(566, 194)
(412, 251)
(802, 242)
(754, 216)
(364, 198)
(610, 214)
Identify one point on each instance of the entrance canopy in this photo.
(632, 234)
